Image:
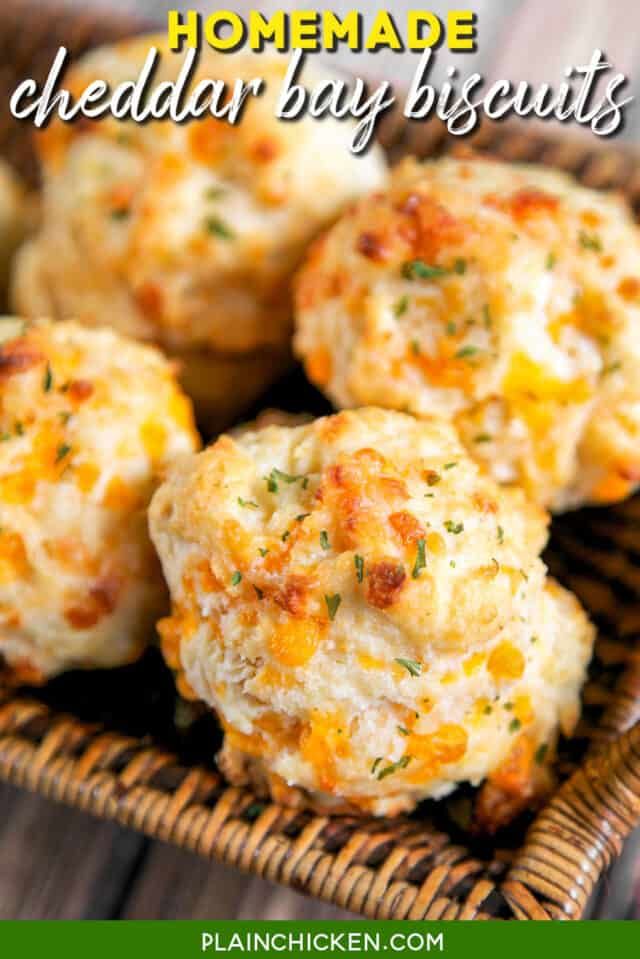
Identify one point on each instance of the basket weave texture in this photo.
(408, 868)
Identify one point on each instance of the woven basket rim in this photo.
(383, 869)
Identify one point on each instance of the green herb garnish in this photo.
(333, 602)
(359, 564)
(324, 540)
(401, 306)
(236, 578)
(277, 476)
(248, 503)
(419, 270)
(589, 241)
(402, 763)
(63, 450)
(541, 753)
(465, 352)
(452, 527)
(47, 381)
(217, 227)
(421, 561)
(413, 668)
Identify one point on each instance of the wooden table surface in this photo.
(57, 863)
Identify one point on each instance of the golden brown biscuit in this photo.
(505, 298)
(187, 234)
(88, 422)
(367, 613)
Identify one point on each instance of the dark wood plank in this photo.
(57, 863)
(618, 895)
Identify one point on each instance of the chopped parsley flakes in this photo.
(465, 352)
(452, 527)
(277, 476)
(419, 270)
(421, 561)
(47, 381)
(589, 241)
(401, 306)
(217, 227)
(333, 603)
(63, 450)
(248, 503)
(411, 666)
(236, 578)
(359, 564)
(402, 763)
(541, 753)
(324, 540)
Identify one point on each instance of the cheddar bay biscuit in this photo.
(187, 235)
(367, 613)
(505, 298)
(88, 422)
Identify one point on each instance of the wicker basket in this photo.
(114, 744)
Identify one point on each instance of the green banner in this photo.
(235, 938)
